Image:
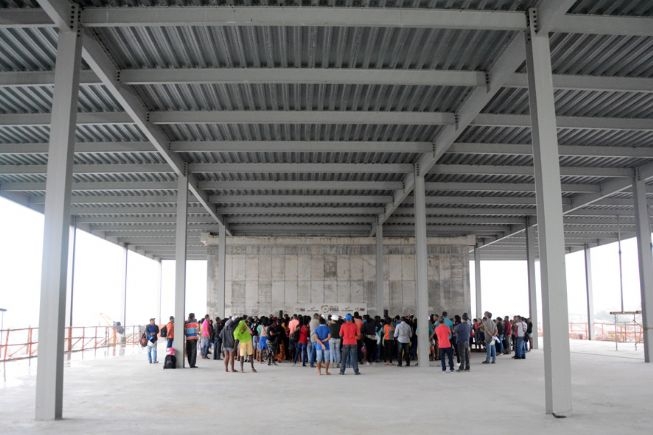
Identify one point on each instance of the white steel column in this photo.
(421, 265)
(71, 301)
(532, 285)
(477, 282)
(557, 367)
(56, 234)
(124, 293)
(180, 267)
(161, 292)
(380, 305)
(222, 269)
(590, 293)
(645, 263)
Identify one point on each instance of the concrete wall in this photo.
(264, 275)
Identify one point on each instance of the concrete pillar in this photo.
(557, 367)
(645, 262)
(532, 285)
(215, 272)
(180, 267)
(380, 303)
(477, 282)
(56, 233)
(421, 268)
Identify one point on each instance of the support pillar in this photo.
(380, 303)
(71, 293)
(161, 319)
(645, 262)
(532, 285)
(180, 268)
(590, 293)
(222, 270)
(421, 267)
(123, 318)
(56, 233)
(557, 366)
(477, 282)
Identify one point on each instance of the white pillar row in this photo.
(421, 267)
(589, 293)
(645, 262)
(380, 303)
(222, 270)
(180, 267)
(477, 283)
(557, 366)
(531, 236)
(56, 233)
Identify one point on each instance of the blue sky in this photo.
(100, 264)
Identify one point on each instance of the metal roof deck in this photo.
(307, 120)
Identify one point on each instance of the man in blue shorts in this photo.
(321, 344)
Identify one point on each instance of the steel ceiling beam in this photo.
(344, 76)
(563, 150)
(604, 25)
(323, 117)
(312, 168)
(301, 16)
(331, 146)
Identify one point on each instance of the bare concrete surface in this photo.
(124, 395)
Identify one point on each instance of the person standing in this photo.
(191, 331)
(490, 333)
(388, 341)
(229, 343)
(334, 342)
(314, 323)
(170, 331)
(322, 337)
(243, 334)
(443, 333)
(205, 339)
(403, 334)
(369, 334)
(520, 331)
(217, 340)
(462, 330)
(152, 335)
(350, 336)
(302, 341)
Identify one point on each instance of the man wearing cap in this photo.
(152, 334)
(334, 342)
(350, 336)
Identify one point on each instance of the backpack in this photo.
(164, 331)
(170, 362)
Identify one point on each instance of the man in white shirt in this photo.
(403, 333)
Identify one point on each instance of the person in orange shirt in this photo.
(170, 331)
(388, 341)
(443, 333)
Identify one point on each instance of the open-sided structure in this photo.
(152, 122)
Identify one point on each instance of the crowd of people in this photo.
(333, 341)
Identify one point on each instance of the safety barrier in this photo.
(622, 332)
(18, 344)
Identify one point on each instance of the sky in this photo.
(100, 265)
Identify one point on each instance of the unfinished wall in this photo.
(264, 275)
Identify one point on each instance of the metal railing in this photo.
(22, 343)
(621, 332)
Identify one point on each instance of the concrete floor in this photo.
(125, 395)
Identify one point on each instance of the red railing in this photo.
(622, 332)
(22, 343)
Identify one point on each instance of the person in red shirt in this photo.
(350, 335)
(444, 344)
(302, 341)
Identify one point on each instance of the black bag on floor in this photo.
(170, 362)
